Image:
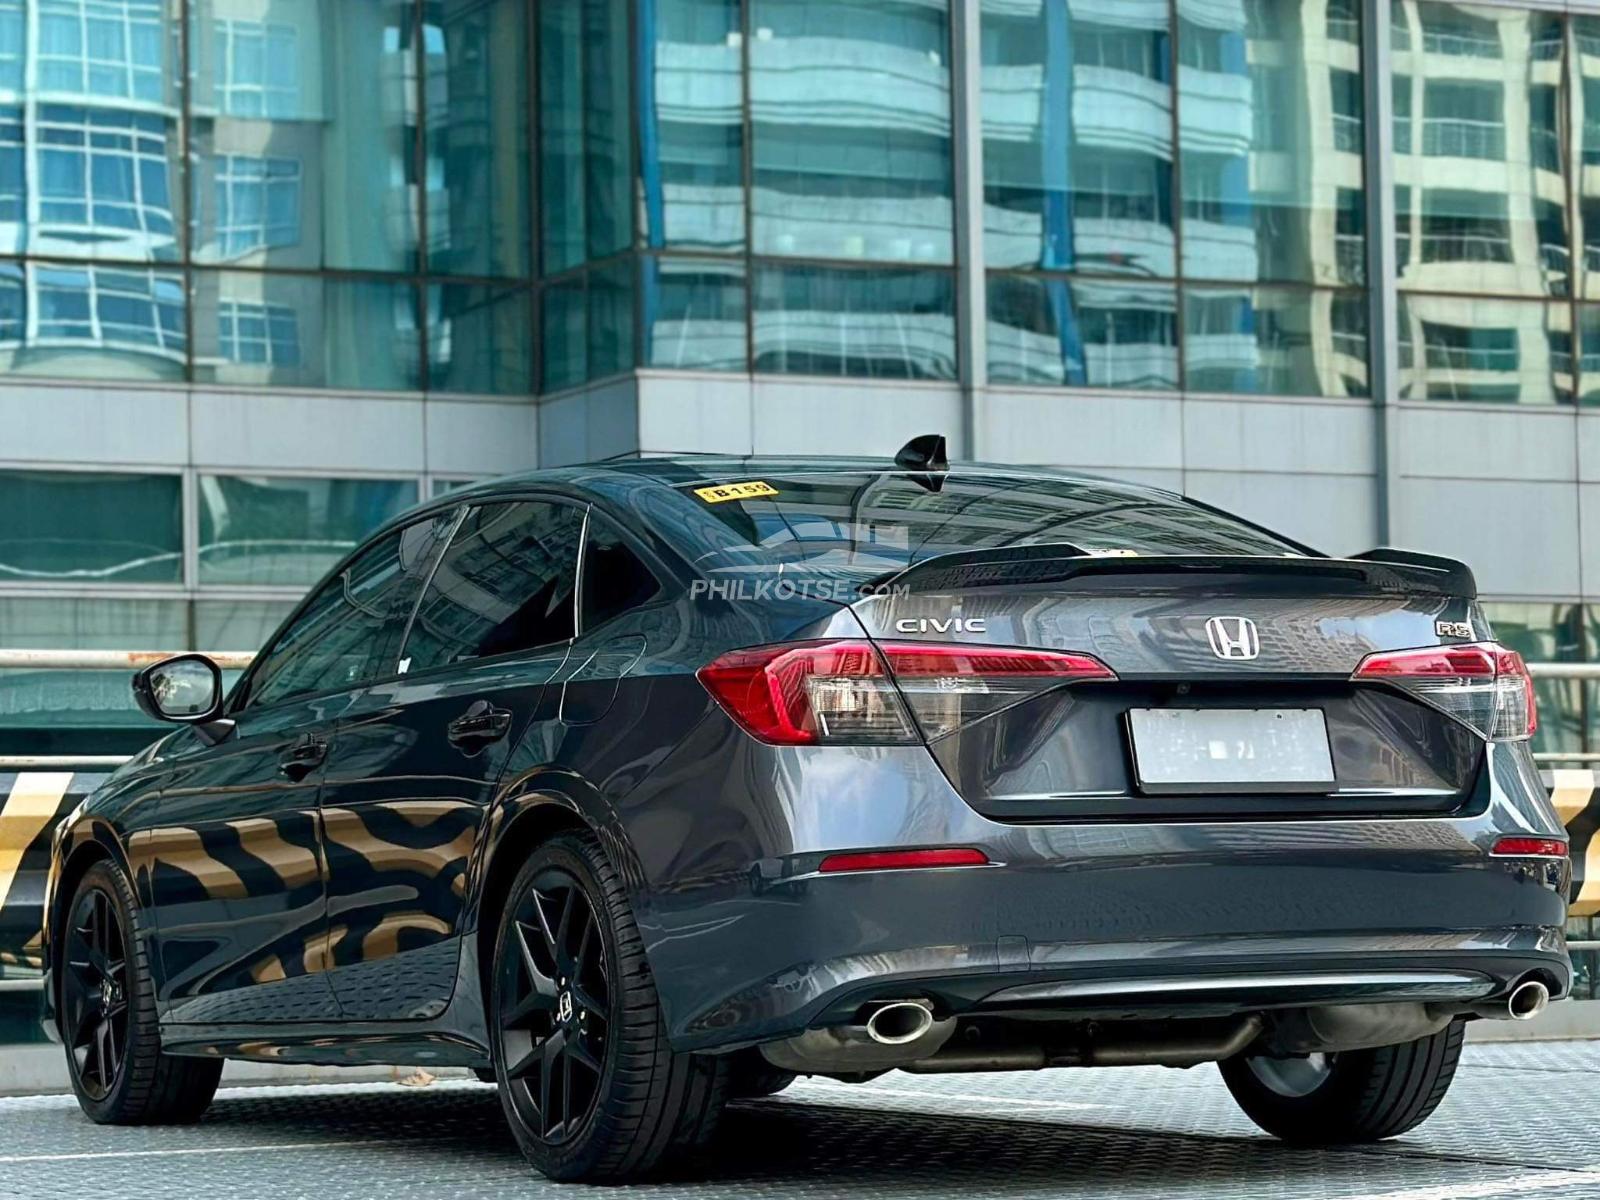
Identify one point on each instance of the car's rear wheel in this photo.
(108, 1016)
(589, 1084)
(1356, 1096)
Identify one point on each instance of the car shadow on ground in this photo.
(826, 1147)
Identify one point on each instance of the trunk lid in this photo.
(1231, 634)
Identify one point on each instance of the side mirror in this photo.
(186, 690)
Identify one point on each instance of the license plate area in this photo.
(1201, 750)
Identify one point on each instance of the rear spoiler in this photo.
(1400, 572)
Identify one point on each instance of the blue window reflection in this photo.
(258, 333)
(1275, 341)
(694, 313)
(828, 321)
(259, 65)
(106, 175)
(280, 330)
(1083, 334)
(478, 340)
(258, 203)
(109, 48)
(1078, 137)
(691, 117)
(850, 124)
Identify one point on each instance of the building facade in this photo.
(273, 270)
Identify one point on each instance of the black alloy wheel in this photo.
(590, 1084)
(107, 1013)
(556, 996)
(95, 991)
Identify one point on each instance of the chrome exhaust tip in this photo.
(1527, 1000)
(900, 1022)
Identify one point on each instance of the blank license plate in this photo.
(1241, 749)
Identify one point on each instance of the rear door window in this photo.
(615, 579)
(506, 584)
(350, 632)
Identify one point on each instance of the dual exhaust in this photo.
(906, 1035)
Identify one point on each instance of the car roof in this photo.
(686, 470)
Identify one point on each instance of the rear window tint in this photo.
(866, 524)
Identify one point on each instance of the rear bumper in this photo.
(1201, 918)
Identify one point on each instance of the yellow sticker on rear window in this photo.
(724, 492)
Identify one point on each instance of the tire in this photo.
(577, 1029)
(1357, 1096)
(751, 1077)
(108, 1015)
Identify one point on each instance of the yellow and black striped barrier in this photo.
(32, 802)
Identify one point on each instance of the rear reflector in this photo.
(903, 860)
(858, 693)
(1482, 684)
(1529, 847)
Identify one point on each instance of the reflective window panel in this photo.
(691, 118)
(1496, 350)
(479, 340)
(1585, 104)
(878, 323)
(611, 318)
(303, 133)
(1271, 133)
(693, 313)
(1589, 349)
(850, 115)
(92, 322)
(283, 531)
(563, 326)
(1483, 195)
(306, 331)
(587, 325)
(1077, 136)
(1275, 341)
(585, 134)
(50, 704)
(476, 70)
(1083, 333)
(1547, 632)
(86, 527)
(90, 129)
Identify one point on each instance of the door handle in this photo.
(304, 757)
(481, 725)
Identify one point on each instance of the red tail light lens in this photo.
(1482, 684)
(1529, 847)
(856, 693)
(904, 860)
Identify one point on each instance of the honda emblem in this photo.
(1233, 638)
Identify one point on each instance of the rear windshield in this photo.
(863, 525)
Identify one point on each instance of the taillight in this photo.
(1482, 684)
(856, 693)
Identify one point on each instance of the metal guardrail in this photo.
(112, 660)
(238, 660)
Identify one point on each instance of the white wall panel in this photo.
(308, 431)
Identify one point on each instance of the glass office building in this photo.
(273, 270)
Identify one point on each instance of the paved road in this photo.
(1522, 1120)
